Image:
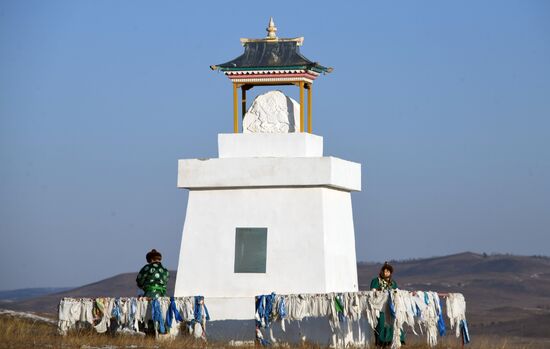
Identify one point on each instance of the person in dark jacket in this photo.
(153, 277)
(383, 330)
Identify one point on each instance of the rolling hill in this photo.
(505, 294)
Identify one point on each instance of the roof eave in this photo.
(315, 67)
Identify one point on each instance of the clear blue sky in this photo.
(445, 104)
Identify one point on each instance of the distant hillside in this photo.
(505, 294)
(122, 285)
(25, 293)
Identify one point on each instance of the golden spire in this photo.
(271, 29)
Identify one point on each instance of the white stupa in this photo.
(271, 213)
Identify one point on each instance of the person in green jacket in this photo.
(153, 277)
(383, 330)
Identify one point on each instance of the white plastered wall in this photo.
(308, 250)
(302, 198)
(340, 259)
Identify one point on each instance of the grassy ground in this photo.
(25, 333)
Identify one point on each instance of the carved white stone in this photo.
(272, 112)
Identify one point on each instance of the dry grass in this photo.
(24, 333)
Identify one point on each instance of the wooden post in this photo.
(301, 106)
(235, 109)
(309, 107)
(243, 100)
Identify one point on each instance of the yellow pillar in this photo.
(235, 109)
(301, 106)
(309, 107)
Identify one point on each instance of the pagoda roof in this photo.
(271, 53)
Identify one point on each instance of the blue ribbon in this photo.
(282, 310)
(269, 301)
(392, 305)
(441, 321)
(260, 310)
(465, 333)
(157, 314)
(116, 310)
(264, 308)
(172, 313)
(198, 309)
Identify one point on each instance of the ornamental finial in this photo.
(271, 29)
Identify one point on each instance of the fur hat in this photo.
(153, 254)
(386, 266)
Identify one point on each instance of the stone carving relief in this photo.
(272, 112)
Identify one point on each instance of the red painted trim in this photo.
(256, 76)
